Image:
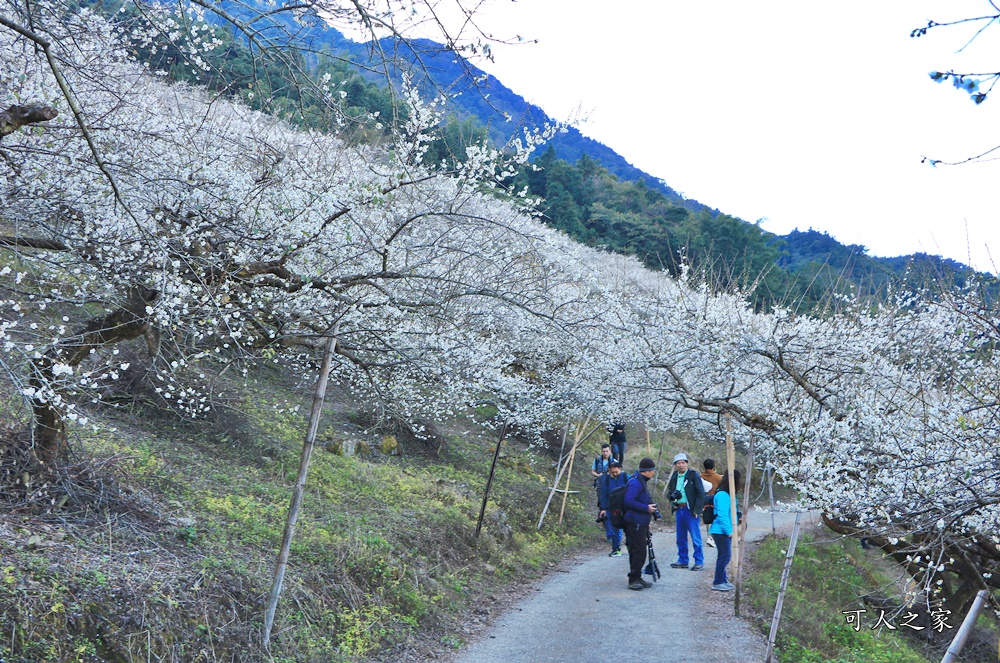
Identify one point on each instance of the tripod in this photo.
(652, 568)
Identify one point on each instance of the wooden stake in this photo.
(489, 481)
(746, 520)
(963, 631)
(300, 484)
(781, 590)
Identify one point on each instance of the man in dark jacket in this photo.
(639, 507)
(617, 442)
(687, 495)
(613, 479)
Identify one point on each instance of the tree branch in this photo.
(16, 117)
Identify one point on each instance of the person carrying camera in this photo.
(687, 496)
(613, 479)
(639, 510)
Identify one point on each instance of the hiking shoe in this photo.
(710, 543)
(636, 585)
(615, 553)
(678, 565)
(724, 587)
(645, 583)
(697, 567)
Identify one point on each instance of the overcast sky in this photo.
(798, 113)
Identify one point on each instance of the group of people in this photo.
(688, 490)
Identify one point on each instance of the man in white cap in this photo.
(687, 496)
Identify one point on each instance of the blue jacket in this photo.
(637, 501)
(723, 523)
(605, 485)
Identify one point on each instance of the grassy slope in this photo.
(165, 549)
(829, 575)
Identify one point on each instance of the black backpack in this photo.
(708, 514)
(616, 506)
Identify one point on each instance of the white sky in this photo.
(801, 113)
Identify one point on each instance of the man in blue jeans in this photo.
(687, 495)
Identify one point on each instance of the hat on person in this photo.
(646, 464)
(614, 463)
(680, 457)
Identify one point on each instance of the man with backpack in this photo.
(639, 510)
(599, 468)
(613, 518)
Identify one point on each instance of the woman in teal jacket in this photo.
(722, 532)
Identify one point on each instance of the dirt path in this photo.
(571, 617)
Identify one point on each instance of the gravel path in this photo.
(570, 617)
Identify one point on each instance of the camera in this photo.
(674, 496)
(657, 515)
(601, 519)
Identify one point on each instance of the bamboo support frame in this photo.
(955, 648)
(781, 590)
(746, 522)
(730, 466)
(559, 474)
(300, 484)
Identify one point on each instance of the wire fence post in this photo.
(489, 480)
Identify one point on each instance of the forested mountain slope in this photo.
(586, 189)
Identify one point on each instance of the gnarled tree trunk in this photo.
(127, 322)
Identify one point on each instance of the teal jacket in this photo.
(723, 523)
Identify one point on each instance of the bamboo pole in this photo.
(555, 484)
(730, 467)
(659, 457)
(489, 481)
(300, 483)
(746, 521)
(963, 631)
(781, 590)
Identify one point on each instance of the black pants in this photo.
(635, 539)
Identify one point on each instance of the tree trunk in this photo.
(128, 322)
